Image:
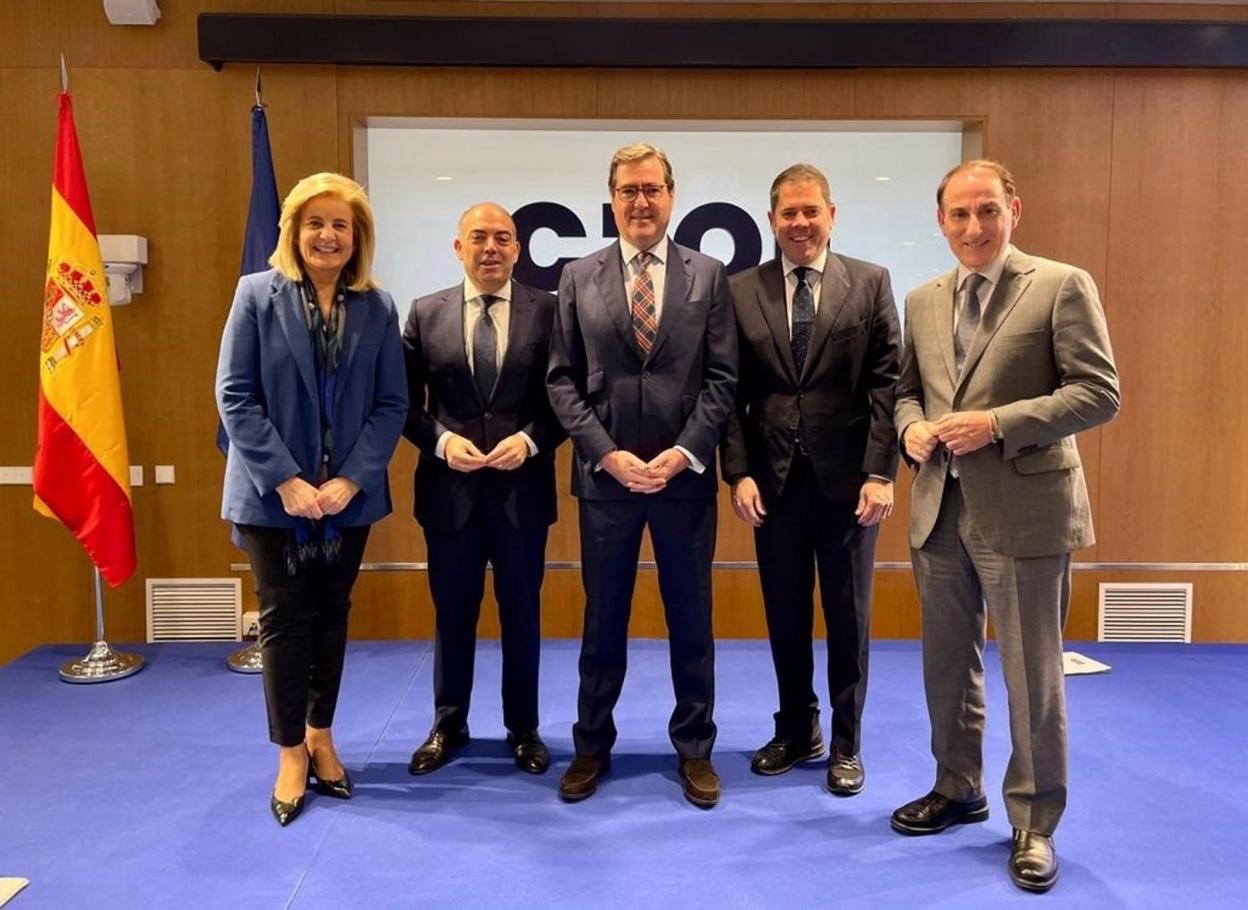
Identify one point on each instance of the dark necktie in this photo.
(968, 318)
(642, 304)
(485, 349)
(803, 317)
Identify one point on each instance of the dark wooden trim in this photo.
(720, 43)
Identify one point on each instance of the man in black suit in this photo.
(485, 483)
(811, 459)
(643, 371)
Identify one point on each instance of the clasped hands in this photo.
(508, 455)
(961, 432)
(639, 476)
(875, 502)
(301, 499)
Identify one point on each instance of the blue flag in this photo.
(260, 238)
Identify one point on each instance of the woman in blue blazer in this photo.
(313, 396)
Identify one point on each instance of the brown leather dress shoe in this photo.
(581, 779)
(933, 813)
(1033, 861)
(846, 775)
(781, 754)
(701, 781)
(436, 751)
(530, 752)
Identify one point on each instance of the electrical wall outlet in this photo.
(164, 473)
(251, 624)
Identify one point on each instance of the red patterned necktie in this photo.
(642, 297)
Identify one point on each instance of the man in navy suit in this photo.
(485, 483)
(643, 374)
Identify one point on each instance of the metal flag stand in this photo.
(246, 660)
(102, 663)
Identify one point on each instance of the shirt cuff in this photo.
(694, 465)
(439, 450)
(880, 477)
(528, 440)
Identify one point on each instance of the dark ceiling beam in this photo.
(719, 43)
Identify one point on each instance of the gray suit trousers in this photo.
(1027, 598)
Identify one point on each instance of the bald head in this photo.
(487, 245)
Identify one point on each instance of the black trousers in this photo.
(457, 563)
(303, 629)
(683, 535)
(804, 530)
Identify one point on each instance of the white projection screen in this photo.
(421, 175)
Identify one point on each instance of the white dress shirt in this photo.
(814, 280)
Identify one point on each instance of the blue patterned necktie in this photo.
(485, 349)
(803, 317)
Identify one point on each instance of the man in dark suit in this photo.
(1007, 358)
(810, 454)
(643, 370)
(485, 482)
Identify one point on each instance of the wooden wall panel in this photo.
(1178, 272)
(1132, 174)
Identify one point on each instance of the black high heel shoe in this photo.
(285, 812)
(338, 789)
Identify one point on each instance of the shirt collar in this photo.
(628, 252)
(820, 263)
(992, 271)
(472, 292)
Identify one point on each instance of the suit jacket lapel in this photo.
(517, 321)
(1015, 278)
(288, 301)
(611, 291)
(944, 294)
(771, 301)
(676, 289)
(832, 298)
(452, 335)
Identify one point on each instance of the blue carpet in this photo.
(153, 792)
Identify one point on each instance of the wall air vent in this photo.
(1145, 611)
(194, 609)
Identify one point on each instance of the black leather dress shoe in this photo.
(531, 753)
(701, 781)
(436, 750)
(581, 778)
(934, 813)
(846, 776)
(1033, 861)
(286, 812)
(781, 754)
(338, 789)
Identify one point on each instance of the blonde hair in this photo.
(358, 272)
(640, 151)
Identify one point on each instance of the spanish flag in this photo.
(81, 470)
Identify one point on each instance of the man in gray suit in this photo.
(1006, 358)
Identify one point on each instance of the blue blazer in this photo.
(267, 398)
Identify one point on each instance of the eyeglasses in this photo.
(630, 193)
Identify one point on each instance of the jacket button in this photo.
(489, 416)
(645, 375)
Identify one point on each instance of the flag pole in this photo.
(102, 663)
(261, 223)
